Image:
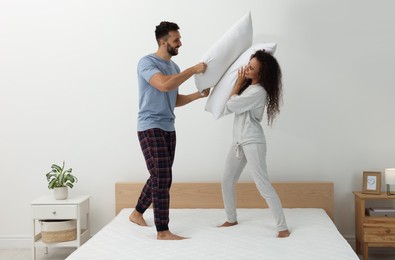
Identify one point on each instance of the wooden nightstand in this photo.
(48, 208)
(372, 231)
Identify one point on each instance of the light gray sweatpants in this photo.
(253, 154)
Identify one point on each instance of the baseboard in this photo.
(372, 250)
(15, 242)
(350, 240)
(7, 242)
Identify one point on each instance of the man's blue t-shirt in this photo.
(156, 108)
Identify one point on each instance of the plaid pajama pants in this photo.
(158, 148)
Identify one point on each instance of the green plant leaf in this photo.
(68, 170)
(52, 184)
(71, 178)
(56, 168)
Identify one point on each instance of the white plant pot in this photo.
(61, 193)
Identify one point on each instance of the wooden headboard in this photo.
(209, 195)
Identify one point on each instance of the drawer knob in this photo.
(54, 212)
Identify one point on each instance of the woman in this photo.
(258, 86)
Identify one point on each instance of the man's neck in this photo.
(163, 54)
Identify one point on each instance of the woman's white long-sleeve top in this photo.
(248, 108)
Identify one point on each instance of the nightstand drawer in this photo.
(379, 230)
(55, 212)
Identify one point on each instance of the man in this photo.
(159, 78)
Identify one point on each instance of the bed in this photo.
(197, 210)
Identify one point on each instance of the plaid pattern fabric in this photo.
(158, 148)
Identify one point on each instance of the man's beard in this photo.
(172, 50)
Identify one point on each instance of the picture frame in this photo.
(371, 182)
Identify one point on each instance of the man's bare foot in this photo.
(167, 235)
(228, 224)
(137, 218)
(284, 233)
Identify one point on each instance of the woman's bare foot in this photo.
(167, 235)
(284, 233)
(137, 218)
(228, 224)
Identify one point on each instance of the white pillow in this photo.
(224, 52)
(220, 94)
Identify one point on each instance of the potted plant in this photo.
(60, 179)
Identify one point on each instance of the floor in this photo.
(26, 254)
(62, 253)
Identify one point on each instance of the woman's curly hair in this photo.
(270, 79)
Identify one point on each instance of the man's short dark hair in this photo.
(163, 29)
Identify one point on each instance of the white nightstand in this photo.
(47, 208)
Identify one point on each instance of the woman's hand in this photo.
(239, 81)
(241, 76)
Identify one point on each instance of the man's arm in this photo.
(167, 83)
(186, 99)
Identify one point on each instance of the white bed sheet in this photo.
(313, 236)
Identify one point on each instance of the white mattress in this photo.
(313, 236)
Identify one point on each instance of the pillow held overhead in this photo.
(224, 52)
(220, 94)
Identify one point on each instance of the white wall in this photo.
(68, 91)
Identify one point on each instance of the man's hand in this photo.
(200, 67)
(205, 92)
